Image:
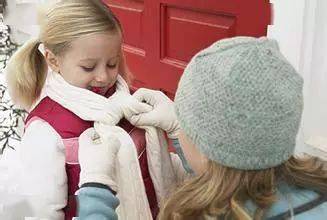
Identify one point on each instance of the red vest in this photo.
(69, 126)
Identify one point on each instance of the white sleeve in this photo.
(43, 177)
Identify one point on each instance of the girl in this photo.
(239, 105)
(83, 48)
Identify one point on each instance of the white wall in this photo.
(314, 66)
(287, 28)
(300, 28)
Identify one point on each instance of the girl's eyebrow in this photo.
(88, 59)
(92, 59)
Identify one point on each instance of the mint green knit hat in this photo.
(240, 102)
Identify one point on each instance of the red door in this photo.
(162, 35)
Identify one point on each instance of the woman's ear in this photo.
(52, 60)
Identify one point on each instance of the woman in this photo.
(239, 105)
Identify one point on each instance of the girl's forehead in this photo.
(96, 46)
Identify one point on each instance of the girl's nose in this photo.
(101, 76)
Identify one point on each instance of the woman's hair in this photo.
(63, 23)
(210, 193)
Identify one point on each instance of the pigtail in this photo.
(26, 73)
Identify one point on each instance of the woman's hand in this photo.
(163, 113)
(123, 105)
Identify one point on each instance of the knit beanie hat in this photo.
(240, 102)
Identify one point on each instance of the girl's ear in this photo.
(122, 63)
(123, 68)
(52, 60)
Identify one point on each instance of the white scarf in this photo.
(131, 191)
(86, 104)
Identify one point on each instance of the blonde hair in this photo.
(210, 194)
(64, 22)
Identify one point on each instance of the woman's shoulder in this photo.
(290, 197)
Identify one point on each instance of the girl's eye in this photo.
(87, 69)
(111, 66)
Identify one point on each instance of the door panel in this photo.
(161, 36)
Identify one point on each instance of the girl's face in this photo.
(194, 157)
(91, 62)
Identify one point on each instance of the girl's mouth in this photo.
(98, 90)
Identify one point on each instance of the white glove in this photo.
(163, 113)
(123, 105)
(97, 158)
